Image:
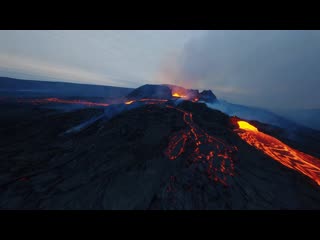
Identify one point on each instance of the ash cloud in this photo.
(269, 69)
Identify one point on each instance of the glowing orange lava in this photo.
(214, 156)
(247, 126)
(210, 154)
(152, 100)
(64, 101)
(279, 151)
(178, 95)
(88, 103)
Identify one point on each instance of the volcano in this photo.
(208, 96)
(156, 147)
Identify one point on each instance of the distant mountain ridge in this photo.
(30, 88)
(286, 119)
(306, 117)
(33, 88)
(253, 113)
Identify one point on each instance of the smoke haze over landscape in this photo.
(270, 69)
(275, 70)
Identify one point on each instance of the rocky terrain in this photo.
(153, 156)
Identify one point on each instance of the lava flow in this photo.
(147, 101)
(211, 154)
(289, 157)
(65, 101)
(178, 95)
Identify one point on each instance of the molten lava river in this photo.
(212, 155)
(289, 157)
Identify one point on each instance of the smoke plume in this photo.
(269, 69)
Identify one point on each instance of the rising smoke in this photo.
(269, 69)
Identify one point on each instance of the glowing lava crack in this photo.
(64, 101)
(289, 157)
(210, 154)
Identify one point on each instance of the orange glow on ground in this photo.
(178, 95)
(247, 126)
(64, 101)
(279, 151)
(88, 103)
(199, 148)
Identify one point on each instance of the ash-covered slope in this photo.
(125, 163)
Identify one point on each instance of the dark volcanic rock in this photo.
(31, 88)
(189, 93)
(192, 94)
(151, 91)
(207, 96)
(121, 164)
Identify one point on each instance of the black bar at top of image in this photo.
(161, 16)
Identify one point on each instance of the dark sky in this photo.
(270, 69)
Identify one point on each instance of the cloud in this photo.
(122, 57)
(44, 70)
(273, 69)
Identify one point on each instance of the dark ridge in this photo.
(151, 91)
(207, 96)
(32, 88)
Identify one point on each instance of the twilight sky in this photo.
(272, 69)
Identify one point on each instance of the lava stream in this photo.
(289, 157)
(152, 101)
(64, 101)
(210, 154)
(88, 103)
(178, 95)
